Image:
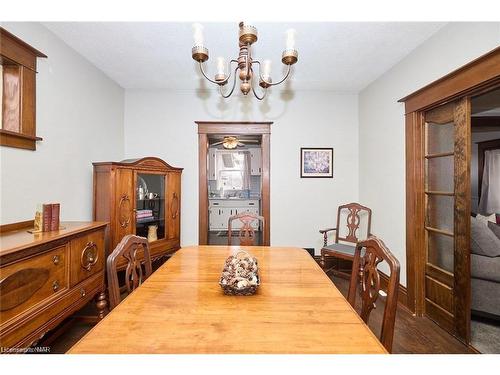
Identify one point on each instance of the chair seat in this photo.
(341, 249)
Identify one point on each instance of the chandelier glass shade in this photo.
(244, 64)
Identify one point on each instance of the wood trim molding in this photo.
(415, 231)
(202, 189)
(18, 50)
(403, 300)
(19, 61)
(402, 291)
(462, 210)
(18, 140)
(232, 127)
(478, 74)
(17, 226)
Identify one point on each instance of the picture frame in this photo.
(316, 162)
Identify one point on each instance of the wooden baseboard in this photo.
(402, 292)
(384, 280)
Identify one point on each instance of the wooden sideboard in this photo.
(120, 198)
(45, 277)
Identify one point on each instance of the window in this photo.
(17, 92)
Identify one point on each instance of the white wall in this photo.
(478, 137)
(79, 117)
(381, 126)
(161, 123)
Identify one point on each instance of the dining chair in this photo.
(366, 275)
(246, 232)
(128, 248)
(350, 218)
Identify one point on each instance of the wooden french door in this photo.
(447, 216)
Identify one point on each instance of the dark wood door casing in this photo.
(205, 128)
(480, 75)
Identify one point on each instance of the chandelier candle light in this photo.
(244, 63)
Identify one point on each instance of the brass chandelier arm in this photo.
(220, 83)
(255, 92)
(270, 83)
(257, 96)
(232, 89)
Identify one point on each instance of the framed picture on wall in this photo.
(316, 162)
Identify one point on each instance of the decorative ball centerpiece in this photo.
(240, 275)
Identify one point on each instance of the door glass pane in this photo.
(440, 212)
(440, 250)
(440, 138)
(440, 174)
(150, 206)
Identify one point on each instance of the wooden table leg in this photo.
(102, 304)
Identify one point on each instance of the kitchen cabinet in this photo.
(212, 171)
(220, 210)
(255, 161)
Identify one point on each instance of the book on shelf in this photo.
(54, 222)
(46, 217)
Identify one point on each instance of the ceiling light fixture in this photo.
(245, 62)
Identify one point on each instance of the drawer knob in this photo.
(82, 292)
(56, 259)
(55, 286)
(89, 256)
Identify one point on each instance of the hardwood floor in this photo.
(412, 335)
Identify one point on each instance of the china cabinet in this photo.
(141, 197)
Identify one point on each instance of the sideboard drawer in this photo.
(25, 284)
(87, 256)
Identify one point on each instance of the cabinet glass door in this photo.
(150, 206)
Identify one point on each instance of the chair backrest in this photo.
(354, 213)
(128, 248)
(364, 272)
(247, 232)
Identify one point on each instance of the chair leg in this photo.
(322, 261)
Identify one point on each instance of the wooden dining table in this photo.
(181, 308)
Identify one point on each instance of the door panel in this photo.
(124, 209)
(447, 216)
(173, 205)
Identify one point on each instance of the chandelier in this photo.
(245, 64)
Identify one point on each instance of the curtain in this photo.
(490, 190)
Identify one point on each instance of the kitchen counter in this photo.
(233, 199)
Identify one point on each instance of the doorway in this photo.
(485, 222)
(228, 185)
(438, 193)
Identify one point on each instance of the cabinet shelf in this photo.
(149, 220)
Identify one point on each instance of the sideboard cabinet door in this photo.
(173, 205)
(124, 205)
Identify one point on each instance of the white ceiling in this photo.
(339, 56)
